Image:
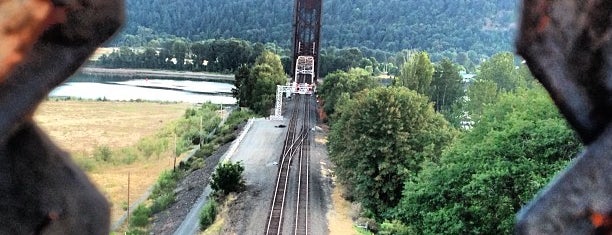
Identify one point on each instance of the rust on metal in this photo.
(567, 46)
(21, 24)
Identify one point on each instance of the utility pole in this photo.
(128, 200)
(174, 153)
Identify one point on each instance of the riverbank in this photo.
(150, 73)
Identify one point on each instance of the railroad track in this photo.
(296, 147)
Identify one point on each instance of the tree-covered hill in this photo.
(481, 26)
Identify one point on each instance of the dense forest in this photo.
(434, 154)
(444, 28)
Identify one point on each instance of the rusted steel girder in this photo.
(307, 32)
(567, 46)
(43, 43)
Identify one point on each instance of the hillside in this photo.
(481, 26)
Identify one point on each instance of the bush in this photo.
(86, 163)
(140, 216)
(135, 231)
(103, 153)
(394, 228)
(128, 155)
(205, 151)
(166, 183)
(227, 178)
(152, 146)
(369, 224)
(208, 214)
(162, 202)
(198, 163)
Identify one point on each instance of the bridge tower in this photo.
(306, 38)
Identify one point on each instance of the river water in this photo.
(126, 89)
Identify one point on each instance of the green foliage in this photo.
(257, 88)
(135, 231)
(501, 69)
(188, 129)
(446, 87)
(227, 178)
(416, 73)
(103, 153)
(243, 86)
(215, 55)
(205, 151)
(379, 140)
(85, 163)
(338, 83)
(152, 146)
(208, 214)
(162, 201)
(483, 179)
(480, 94)
(140, 216)
(162, 194)
(394, 228)
(237, 117)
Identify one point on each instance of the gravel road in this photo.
(260, 151)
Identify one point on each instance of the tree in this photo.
(446, 86)
(337, 83)
(179, 50)
(227, 178)
(483, 179)
(267, 73)
(243, 86)
(480, 94)
(502, 70)
(380, 139)
(416, 73)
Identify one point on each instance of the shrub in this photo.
(205, 151)
(135, 231)
(128, 155)
(162, 202)
(198, 163)
(394, 228)
(208, 214)
(140, 216)
(152, 146)
(165, 183)
(103, 153)
(86, 163)
(369, 224)
(227, 178)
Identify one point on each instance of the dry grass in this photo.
(81, 126)
(339, 218)
(223, 212)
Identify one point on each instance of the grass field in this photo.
(82, 127)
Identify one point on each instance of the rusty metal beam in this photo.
(567, 46)
(306, 32)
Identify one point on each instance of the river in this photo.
(120, 88)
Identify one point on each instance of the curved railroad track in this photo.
(296, 147)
